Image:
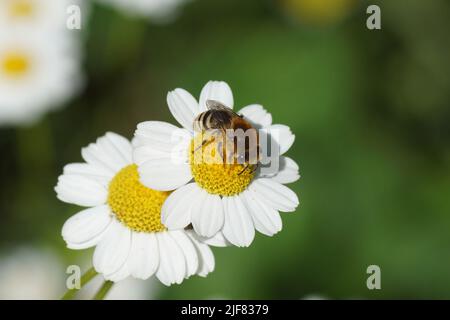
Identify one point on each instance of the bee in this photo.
(221, 122)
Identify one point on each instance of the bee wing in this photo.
(216, 105)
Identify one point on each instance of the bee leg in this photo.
(220, 151)
(256, 168)
(245, 168)
(204, 143)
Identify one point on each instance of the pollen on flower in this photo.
(20, 8)
(14, 64)
(217, 177)
(135, 205)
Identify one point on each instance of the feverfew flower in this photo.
(123, 219)
(224, 203)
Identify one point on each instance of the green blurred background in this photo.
(370, 110)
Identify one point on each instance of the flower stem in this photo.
(103, 291)
(85, 278)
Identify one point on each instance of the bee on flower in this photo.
(223, 202)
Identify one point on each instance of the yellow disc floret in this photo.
(21, 8)
(14, 64)
(212, 173)
(135, 205)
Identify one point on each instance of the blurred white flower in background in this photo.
(38, 274)
(31, 273)
(159, 10)
(38, 72)
(314, 296)
(45, 15)
(40, 58)
(127, 289)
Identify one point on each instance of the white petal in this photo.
(145, 153)
(144, 255)
(113, 250)
(257, 115)
(206, 257)
(188, 249)
(217, 240)
(288, 171)
(172, 263)
(238, 227)
(162, 174)
(282, 135)
(175, 212)
(97, 173)
(161, 136)
(208, 262)
(207, 214)
(80, 190)
(118, 145)
(276, 195)
(184, 107)
(266, 219)
(86, 228)
(216, 90)
(119, 275)
(111, 151)
(161, 153)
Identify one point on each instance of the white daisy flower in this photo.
(223, 202)
(38, 71)
(159, 10)
(123, 220)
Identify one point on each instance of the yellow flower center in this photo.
(20, 8)
(217, 176)
(135, 205)
(15, 64)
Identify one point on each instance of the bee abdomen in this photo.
(212, 119)
(198, 122)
